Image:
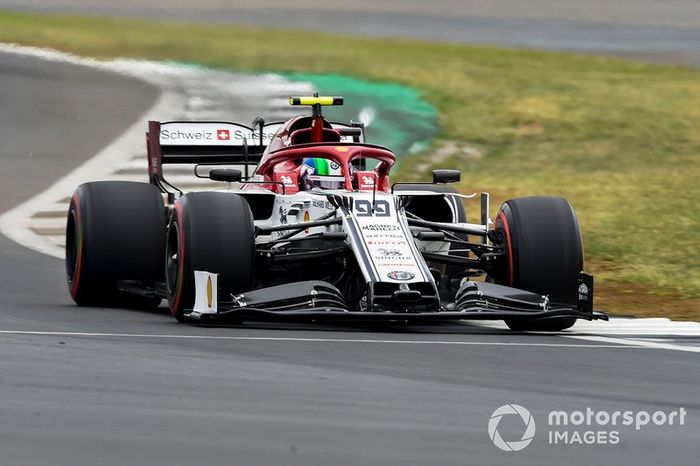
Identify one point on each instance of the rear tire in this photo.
(544, 254)
(211, 232)
(114, 232)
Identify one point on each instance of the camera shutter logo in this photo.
(509, 410)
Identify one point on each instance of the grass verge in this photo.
(619, 139)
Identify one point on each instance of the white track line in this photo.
(17, 223)
(315, 340)
(639, 327)
(187, 92)
(621, 327)
(637, 343)
(627, 331)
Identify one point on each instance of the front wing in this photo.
(318, 300)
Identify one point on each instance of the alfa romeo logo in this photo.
(510, 410)
(400, 275)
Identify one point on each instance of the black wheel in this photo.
(211, 232)
(544, 254)
(115, 231)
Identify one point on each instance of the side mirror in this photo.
(354, 132)
(446, 176)
(229, 175)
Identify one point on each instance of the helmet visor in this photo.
(325, 182)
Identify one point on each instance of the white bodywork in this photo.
(206, 293)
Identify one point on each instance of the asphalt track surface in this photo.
(81, 386)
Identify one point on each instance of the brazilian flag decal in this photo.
(321, 166)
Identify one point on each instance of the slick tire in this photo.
(544, 254)
(211, 232)
(114, 231)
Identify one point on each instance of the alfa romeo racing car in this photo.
(313, 229)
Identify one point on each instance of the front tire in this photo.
(544, 254)
(210, 232)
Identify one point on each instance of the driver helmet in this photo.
(321, 173)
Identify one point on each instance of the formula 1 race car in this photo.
(317, 232)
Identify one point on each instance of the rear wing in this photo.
(210, 142)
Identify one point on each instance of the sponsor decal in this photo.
(267, 136)
(307, 218)
(383, 252)
(342, 148)
(363, 208)
(210, 292)
(286, 180)
(202, 135)
(205, 296)
(367, 181)
(386, 237)
(334, 165)
(321, 204)
(583, 292)
(381, 227)
(400, 275)
(283, 215)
